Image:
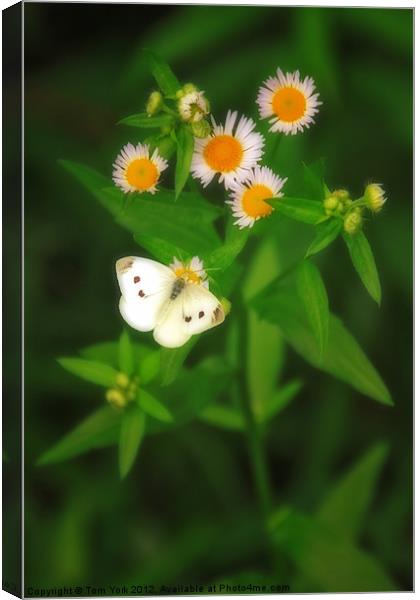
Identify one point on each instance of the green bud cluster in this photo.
(125, 391)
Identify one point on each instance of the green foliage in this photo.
(163, 74)
(185, 148)
(150, 405)
(325, 233)
(97, 431)
(149, 367)
(132, 429)
(93, 371)
(173, 359)
(223, 416)
(144, 121)
(300, 209)
(313, 295)
(280, 399)
(345, 507)
(363, 260)
(125, 354)
(343, 358)
(313, 179)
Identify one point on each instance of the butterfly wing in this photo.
(195, 310)
(145, 288)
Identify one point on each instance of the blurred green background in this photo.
(186, 513)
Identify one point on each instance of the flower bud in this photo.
(154, 103)
(341, 194)
(122, 380)
(132, 391)
(116, 398)
(201, 129)
(353, 221)
(188, 88)
(374, 197)
(330, 204)
(193, 106)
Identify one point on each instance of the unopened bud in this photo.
(374, 197)
(353, 221)
(122, 380)
(116, 398)
(154, 103)
(341, 194)
(330, 204)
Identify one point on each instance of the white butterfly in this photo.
(174, 301)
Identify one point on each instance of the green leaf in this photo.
(314, 298)
(163, 74)
(346, 505)
(125, 354)
(144, 121)
(149, 367)
(153, 407)
(185, 148)
(131, 433)
(326, 233)
(172, 360)
(160, 249)
(362, 258)
(343, 358)
(93, 371)
(104, 352)
(300, 209)
(280, 399)
(222, 416)
(99, 430)
(222, 257)
(313, 177)
(187, 222)
(329, 562)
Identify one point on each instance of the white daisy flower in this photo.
(288, 102)
(136, 171)
(228, 152)
(248, 198)
(193, 106)
(192, 272)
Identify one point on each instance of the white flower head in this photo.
(136, 171)
(192, 271)
(288, 102)
(193, 106)
(249, 197)
(230, 151)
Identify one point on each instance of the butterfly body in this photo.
(173, 302)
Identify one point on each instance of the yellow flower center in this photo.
(253, 201)
(142, 174)
(223, 153)
(289, 104)
(188, 275)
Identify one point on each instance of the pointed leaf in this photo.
(163, 74)
(172, 360)
(153, 407)
(144, 121)
(222, 257)
(185, 147)
(314, 298)
(149, 367)
(98, 430)
(222, 416)
(131, 433)
(364, 262)
(346, 505)
(280, 399)
(160, 249)
(300, 209)
(93, 371)
(125, 354)
(326, 233)
(313, 176)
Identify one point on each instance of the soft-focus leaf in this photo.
(104, 352)
(346, 505)
(313, 177)
(132, 429)
(314, 298)
(149, 367)
(160, 249)
(153, 407)
(185, 147)
(364, 262)
(280, 399)
(327, 560)
(99, 430)
(343, 358)
(300, 209)
(125, 354)
(162, 72)
(325, 234)
(172, 360)
(144, 121)
(93, 371)
(223, 416)
(222, 257)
